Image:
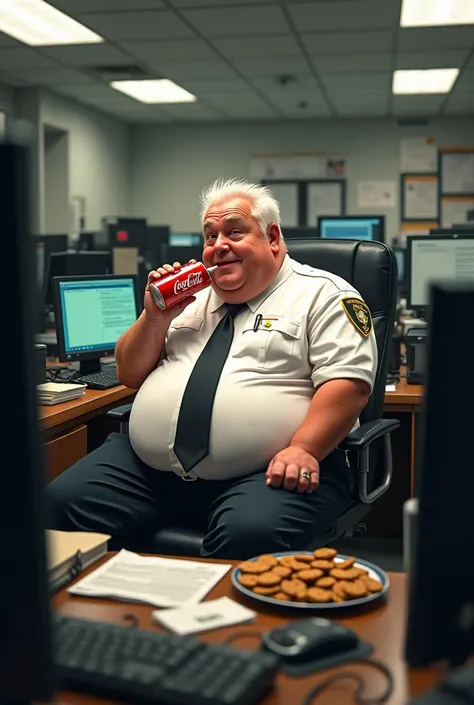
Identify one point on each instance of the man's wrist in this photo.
(308, 448)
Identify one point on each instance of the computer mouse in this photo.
(309, 640)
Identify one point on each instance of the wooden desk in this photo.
(382, 625)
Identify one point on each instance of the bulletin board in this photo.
(304, 201)
(456, 192)
(419, 197)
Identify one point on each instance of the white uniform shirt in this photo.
(305, 338)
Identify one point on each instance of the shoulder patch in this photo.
(359, 315)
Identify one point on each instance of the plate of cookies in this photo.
(321, 579)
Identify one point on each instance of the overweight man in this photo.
(244, 393)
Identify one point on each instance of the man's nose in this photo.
(221, 244)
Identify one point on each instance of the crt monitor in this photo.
(441, 610)
(354, 227)
(91, 315)
(25, 642)
(437, 259)
(126, 232)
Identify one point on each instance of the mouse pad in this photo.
(361, 651)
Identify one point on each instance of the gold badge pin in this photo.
(268, 324)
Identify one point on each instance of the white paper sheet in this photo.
(418, 154)
(288, 166)
(323, 199)
(211, 614)
(390, 388)
(421, 198)
(287, 197)
(455, 212)
(163, 582)
(376, 194)
(457, 172)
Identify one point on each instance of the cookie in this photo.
(292, 587)
(282, 570)
(326, 582)
(347, 563)
(268, 579)
(268, 559)
(248, 580)
(309, 575)
(362, 572)
(326, 554)
(323, 565)
(355, 590)
(316, 594)
(304, 557)
(253, 567)
(371, 584)
(339, 589)
(302, 596)
(349, 574)
(336, 598)
(266, 591)
(287, 561)
(298, 565)
(281, 596)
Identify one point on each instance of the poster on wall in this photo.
(296, 167)
(376, 194)
(323, 199)
(420, 197)
(456, 210)
(418, 154)
(287, 197)
(457, 172)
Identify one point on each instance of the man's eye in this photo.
(235, 231)
(209, 236)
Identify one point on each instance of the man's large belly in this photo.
(251, 421)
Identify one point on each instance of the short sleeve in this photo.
(341, 339)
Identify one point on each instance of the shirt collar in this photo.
(283, 273)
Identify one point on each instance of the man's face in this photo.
(247, 261)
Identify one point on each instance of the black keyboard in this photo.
(136, 665)
(100, 380)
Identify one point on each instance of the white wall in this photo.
(170, 165)
(7, 100)
(98, 156)
(56, 182)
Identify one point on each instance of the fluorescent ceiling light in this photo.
(417, 81)
(37, 23)
(435, 13)
(154, 91)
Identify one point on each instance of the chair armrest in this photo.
(121, 414)
(367, 433)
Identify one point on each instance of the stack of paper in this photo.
(57, 392)
(63, 547)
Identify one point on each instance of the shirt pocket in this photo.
(274, 344)
(181, 333)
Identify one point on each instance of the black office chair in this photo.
(371, 268)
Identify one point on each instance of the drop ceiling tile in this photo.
(232, 21)
(209, 3)
(88, 55)
(442, 58)
(271, 66)
(232, 86)
(250, 47)
(470, 64)
(44, 77)
(192, 111)
(302, 82)
(11, 80)
(183, 50)
(352, 62)
(93, 91)
(72, 7)
(435, 38)
(225, 101)
(7, 41)
(360, 101)
(347, 42)
(23, 58)
(417, 104)
(463, 105)
(363, 111)
(373, 81)
(189, 70)
(300, 104)
(464, 86)
(337, 15)
(136, 25)
(250, 109)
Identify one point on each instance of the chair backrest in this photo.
(371, 268)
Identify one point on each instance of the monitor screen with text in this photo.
(438, 260)
(352, 228)
(95, 312)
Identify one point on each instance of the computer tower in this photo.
(416, 345)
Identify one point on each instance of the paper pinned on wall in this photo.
(455, 210)
(418, 154)
(376, 194)
(287, 197)
(296, 167)
(323, 199)
(457, 172)
(420, 197)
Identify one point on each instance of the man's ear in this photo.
(274, 236)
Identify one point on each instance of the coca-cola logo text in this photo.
(193, 279)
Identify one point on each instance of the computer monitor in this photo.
(441, 610)
(458, 230)
(299, 232)
(126, 232)
(185, 239)
(183, 254)
(91, 315)
(353, 227)
(400, 254)
(71, 263)
(25, 642)
(437, 259)
(45, 246)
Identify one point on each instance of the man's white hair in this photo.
(264, 206)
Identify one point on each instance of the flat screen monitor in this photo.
(299, 232)
(458, 230)
(444, 483)
(91, 315)
(25, 643)
(400, 254)
(185, 239)
(437, 259)
(354, 227)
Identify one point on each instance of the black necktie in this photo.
(191, 442)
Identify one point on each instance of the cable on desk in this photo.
(361, 684)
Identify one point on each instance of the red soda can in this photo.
(170, 290)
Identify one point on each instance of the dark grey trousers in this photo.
(112, 491)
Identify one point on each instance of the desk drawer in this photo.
(63, 451)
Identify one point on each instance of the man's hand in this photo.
(288, 468)
(153, 313)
